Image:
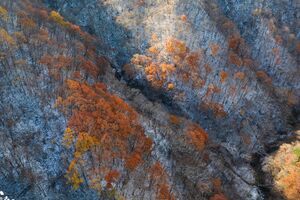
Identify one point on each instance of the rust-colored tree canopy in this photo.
(183, 64)
(234, 42)
(164, 193)
(104, 127)
(239, 75)
(234, 59)
(159, 177)
(284, 165)
(170, 65)
(223, 76)
(183, 18)
(197, 136)
(5, 38)
(218, 197)
(3, 14)
(263, 76)
(214, 49)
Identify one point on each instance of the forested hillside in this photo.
(150, 99)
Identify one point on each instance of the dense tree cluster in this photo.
(3, 14)
(284, 165)
(170, 65)
(197, 136)
(104, 132)
(218, 190)
(214, 49)
(6, 38)
(159, 179)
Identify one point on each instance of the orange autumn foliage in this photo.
(68, 138)
(154, 37)
(153, 50)
(223, 76)
(174, 46)
(276, 51)
(208, 68)
(264, 77)
(46, 59)
(5, 37)
(217, 185)
(156, 171)
(219, 196)
(89, 66)
(278, 39)
(185, 77)
(58, 62)
(159, 178)
(56, 17)
(104, 126)
(167, 68)
(172, 60)
(3, 14)
(112, 176)
(284, 166)
(133, 161)
(183, 18)
(84, 143)
(151, 69)
(27, 23)
(248, 62)
(214, 49)
(216, 108)
(211, 89)
(164, 193)
(199, 83)
(239, 75)
(73, 176)
(171, 86)
(193, 59)
(175, 119)
(77, 75)
(158, 74)
(291, 184)
(20, 37)
(197, 136)
(74, 28)
(234, 42)
(235, 59)
(141, 59)
(43, 36)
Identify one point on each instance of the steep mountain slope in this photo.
(266, 72)
(146, 99)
